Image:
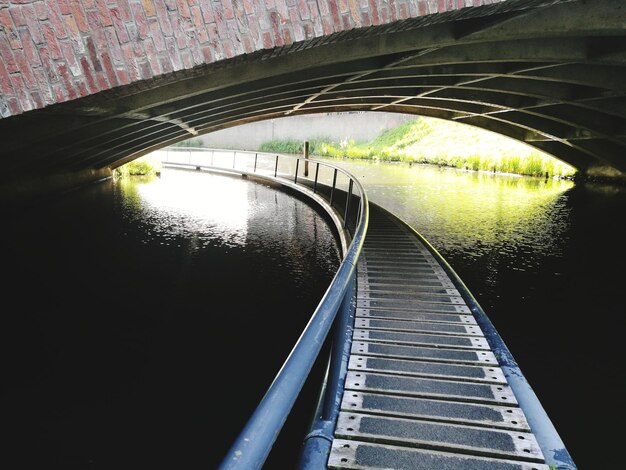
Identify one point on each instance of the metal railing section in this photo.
(337, 306)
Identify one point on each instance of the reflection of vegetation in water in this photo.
(129, 187)
(468, 212)
(506, 213)
(443, 143)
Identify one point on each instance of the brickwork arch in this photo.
(54, 51)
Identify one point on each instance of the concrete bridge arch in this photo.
(87, 86)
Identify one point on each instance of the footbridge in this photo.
(417, 378)
(88, 86)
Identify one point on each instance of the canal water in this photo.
(148, 317)
(144, 320)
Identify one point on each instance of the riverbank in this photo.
(437, 142)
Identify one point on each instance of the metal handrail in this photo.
(254, 443)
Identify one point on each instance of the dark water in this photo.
(545, 260)
(140, 319)
(143, 321)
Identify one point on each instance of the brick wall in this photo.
(53, 51)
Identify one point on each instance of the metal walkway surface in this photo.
(424, 390)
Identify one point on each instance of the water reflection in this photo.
(184, 205)
(473, 213)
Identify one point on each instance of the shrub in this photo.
(143, 166)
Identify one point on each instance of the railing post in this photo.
(234, 156)
(276, 167)
(306, 158)
(212, 155)
(317, 170)
(332, 189)
(348, 198)
(256, 155)
(295, 178)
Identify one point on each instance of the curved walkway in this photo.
(424, 389)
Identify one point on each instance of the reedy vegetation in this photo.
(149, 164)
(437, 142)
(423, 140)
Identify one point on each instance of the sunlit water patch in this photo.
(153, 312)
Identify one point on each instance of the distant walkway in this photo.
(424, 389)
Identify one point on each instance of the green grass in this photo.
(284, 146)
(148, 165)
(438, 142)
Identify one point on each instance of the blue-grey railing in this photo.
(254, 443)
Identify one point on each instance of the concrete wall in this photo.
(362, 126)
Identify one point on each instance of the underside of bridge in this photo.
(550, 73)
